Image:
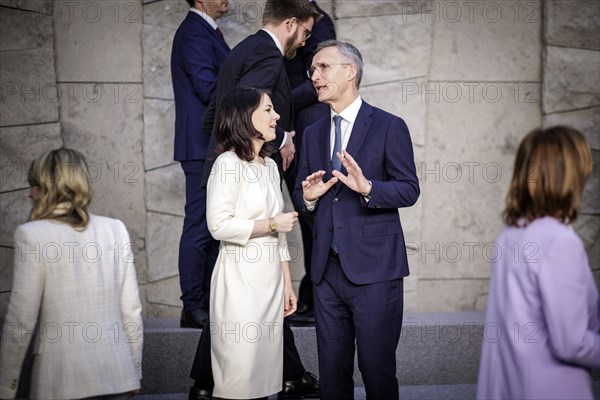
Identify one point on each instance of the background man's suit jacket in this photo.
(368, 235)
(198, 53)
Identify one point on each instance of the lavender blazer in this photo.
(542, 322)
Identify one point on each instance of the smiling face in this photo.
(264, 118)
(333, 75)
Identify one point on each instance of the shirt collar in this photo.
(277, 42)
(351, 112)
(206, 17)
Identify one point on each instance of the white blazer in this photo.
(83, 286)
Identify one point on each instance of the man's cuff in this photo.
(310, 205)
(285, 135)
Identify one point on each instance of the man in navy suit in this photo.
(307, 110)
(356, 169)
(198, 52)
(258, 61)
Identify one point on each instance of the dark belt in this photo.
(333, 254)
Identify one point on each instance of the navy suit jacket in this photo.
(368, 235)
(197, 55)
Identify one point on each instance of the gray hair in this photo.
(349, 52)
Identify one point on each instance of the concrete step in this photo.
(434, 349)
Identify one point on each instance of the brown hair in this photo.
(551, 169)
(63, 179)
(235, 129)
(277, 11)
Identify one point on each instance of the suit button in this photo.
(329, 228)
(377, 205)
(335, 200)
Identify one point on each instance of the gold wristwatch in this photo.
(272, 225)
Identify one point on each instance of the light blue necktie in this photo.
(335, 162)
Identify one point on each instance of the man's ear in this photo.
(352, 71)
(289, 23)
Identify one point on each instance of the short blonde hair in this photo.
(62, 177)
(551, 169)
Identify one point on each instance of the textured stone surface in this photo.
(29, 91)
(157, 42)
(572, 24)
(393, 47)
(38, 6)
(24, 30)
(464, 177)
(404, 100)
(165, 190)
(99, 41)
(295, 244)
(588, 228)
(452, 295)
(354, 8)
(490, 43)
(7, 260)
(159, 133)
(14, 211)
(167, 14)
(586, 121)
(591, 194)
(19, 146)
(571, 79)
(166, 292)
(105, 123)
(162, 237)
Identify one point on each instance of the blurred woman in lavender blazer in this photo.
(542, 323)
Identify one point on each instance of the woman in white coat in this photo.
(251, 288)
(74, 274)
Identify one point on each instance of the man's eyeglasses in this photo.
(321, 68)
(307, 31)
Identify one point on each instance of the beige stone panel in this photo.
(157, 42)
(154, 310)
(470, 150)
(243, 19)
(404, 100)
(19, 146)
(486, 41)
(162, 237)
(104, 122)
(7, 260)
(165, 292)
(591, 193)
(14, 211)
(166, 14)
(24, 30)
(38, 6)
(374, 8)
(571, 79)
(588, 228)
(586, 121)
(165, 190)
(572, 23)
(159, 132)
(98, 41)
(411, 302)
(29, 91)
(393, 47)
(452, 295)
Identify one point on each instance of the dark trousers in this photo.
(369, 314)
(197, 249)
(202, 367)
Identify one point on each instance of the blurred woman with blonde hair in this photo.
(543, 319)
(74, 276)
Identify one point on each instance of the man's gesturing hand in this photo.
(314, 187)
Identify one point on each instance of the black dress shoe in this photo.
(199, 394)
(193, 319)
(304, 315)
(305, 388)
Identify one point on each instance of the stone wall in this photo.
(470, 79)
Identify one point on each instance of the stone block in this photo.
(165, 190)
(166, 14)
(166, 292)
(486, 41)
(451, 295)
(7, 261)
(586, 121)
(24, 30)
(369, 8)
(591, 193)
(157, 42)
(571, 79)
(154, 310)
(572, 24)
(404, 100)
(29, 91)
(37, 6)
(588, 228)
(4, 299)
(393, 47)
(471, 143)
(159, 132)
(162, 238)
(14, 211)
(104, 122)
(20, 145)
(98, 41)
(243, 19)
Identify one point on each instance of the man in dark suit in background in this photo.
(356, 169)
(258, 61)
(198, 52)
(307, 110)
